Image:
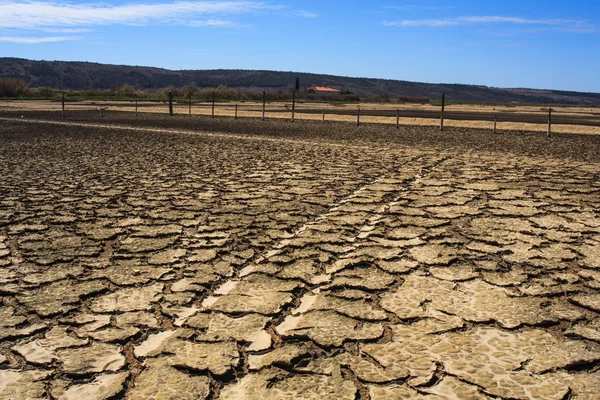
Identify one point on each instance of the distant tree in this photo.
(46, 91)
(40, 92)
(12, 87)
(189, 90)
(164, 94)
(125, 90)
(226, 93)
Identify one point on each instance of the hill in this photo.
(85, 75)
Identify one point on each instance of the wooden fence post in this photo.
(549, 121)
(190, 105)
(358, 116)
(495, 122)
(136, 107)
(235, 116)
(212, 113)
(264, 102)
(293, 104)
(443, 108)
(397, 118)
(323, 121)
(296, 87)
(63, 105)
(170, 103)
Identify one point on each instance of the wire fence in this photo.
(358, 114)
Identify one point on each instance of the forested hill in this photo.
(84, 75)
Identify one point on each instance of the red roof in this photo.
(322, 89)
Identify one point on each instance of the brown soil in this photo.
(208, 258)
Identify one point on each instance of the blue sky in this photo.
(538, 44)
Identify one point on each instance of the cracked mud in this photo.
(145, 265)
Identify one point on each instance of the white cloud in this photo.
(66, 30)
(19, 18)
(306, 14)
(412, 7)
(219, 23)
(36, 40)
(38, 14)
(432, 23)
(515, 20)
(571, 25)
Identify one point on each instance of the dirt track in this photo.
(273, 260)
(571, 146)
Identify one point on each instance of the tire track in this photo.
(199, 133)
(286, 319)
(156, 340)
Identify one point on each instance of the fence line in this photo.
(542, 117)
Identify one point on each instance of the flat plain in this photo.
(188, 258)
(337, 112)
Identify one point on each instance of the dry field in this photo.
(191, 258)
(277, 110)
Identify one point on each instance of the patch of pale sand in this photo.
(572, 110)
(506, 126)
(420, 106)
(229, 111)
(30, 105)
(467, 107)
(575, 110)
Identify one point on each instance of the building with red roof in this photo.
(322, 89)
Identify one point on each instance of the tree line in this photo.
(18, 88)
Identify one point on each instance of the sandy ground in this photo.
(228, 110)
(223, 259)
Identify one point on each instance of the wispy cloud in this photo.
(35, 14)
(218, 23)
(571, 25)
(66, 30)
(412, 7)
(25, 17)
(431, 23)
(306, 14)
(36, 40)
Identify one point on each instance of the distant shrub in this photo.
(412, 99)
(12, 87)
(39, 92)
(46, 91)
(189, 90)
(125, 90)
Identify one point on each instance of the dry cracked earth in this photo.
(142, 264)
